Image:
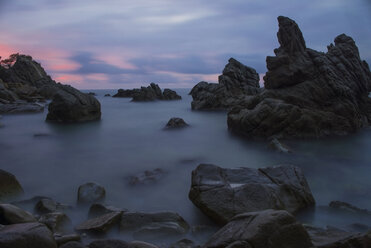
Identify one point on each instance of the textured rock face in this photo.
(90, 193)
(235, 83)
(26, 235)
(264, 229)
(176, 122)
(307, 93)
(146, 94)
(9, 186)
(71, 105)
(224, 193)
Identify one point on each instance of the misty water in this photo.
(130, 139)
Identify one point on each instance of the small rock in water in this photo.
(107, 95)
(348, 207)
(92, 94)
(90, 193)
(279, 146)
(41, 135)
(10, 188)
(176, 122)
(147, 177)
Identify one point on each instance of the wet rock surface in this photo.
(307, 93)
(223, 193)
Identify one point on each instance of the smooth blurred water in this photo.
(130, 139)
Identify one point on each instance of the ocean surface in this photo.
(53, 159)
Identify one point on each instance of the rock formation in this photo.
(151, 93)
(235, 83)
(307, 93)
(25, 85)
(223, 193)
(175, 123)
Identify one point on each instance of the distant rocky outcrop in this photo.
(151, 93)
(307, 93)
(223, 193)
(235, 83)
(24, 87)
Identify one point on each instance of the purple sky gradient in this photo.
(93, 44)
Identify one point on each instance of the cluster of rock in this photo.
(151, 93)
(236, 82)
(25, 86)
(307, 93)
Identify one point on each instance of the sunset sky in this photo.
(93, 44)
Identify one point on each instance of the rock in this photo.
(336, 238)
(92, 94)
(263, 229)
(169, 94)
(307, 93)
(90, 193)
(71, 105)
(275, 144)
(150, 93)
(239, 244)
(98, 209)
(10, 214)
(10, 188)
(348, 207)
(69, 238)
(72, 244)
(48, 205)
(153, 225)
(236, 82)
(176, 122)
(141, 244)
(184, 243)
(223, 193)
(21, 107)
(109, 243)
(107, 94)
(100, 224)
(41, 135)
(57, 222)
(26, 235)
(147, 177)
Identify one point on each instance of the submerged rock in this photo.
(223, 193)
(71, 105)
(176, 122)
(277, 145)
(236, 82)
(264, 229)
(90, 193)
(10, 188)
(153, 225)
(307, 93)
(10, 214)
(26, 235)
(147, 177)
(348, 207)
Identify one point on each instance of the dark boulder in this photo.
(90, 193)
(98, 209)
(71, 105)
(26, 235)
(100, 224)
(236, 82)
(223, 193)
(10, 188)
(307, 93)
(263, 229)
(57, 222)
(176, 122)
(10, 214)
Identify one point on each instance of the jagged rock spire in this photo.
(289, 36)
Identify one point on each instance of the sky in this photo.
(111, 44)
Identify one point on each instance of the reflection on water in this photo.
(130, 139)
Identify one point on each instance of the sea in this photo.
(51, 159)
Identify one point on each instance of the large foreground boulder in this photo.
(26, 235)
(307, 93)
(264, 229)
(235, 83)
(223, 193)
(10, 188)
(71, 105)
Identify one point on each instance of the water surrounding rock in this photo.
(176, 122)
(90, 193)
(153, 225)
(100, 224)
(263, 229)
(151, 93)
(236, 82)
(307, 93)
(10, 188)
(71, 105)
(223, 193)
(26, 235)
(10, 214)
